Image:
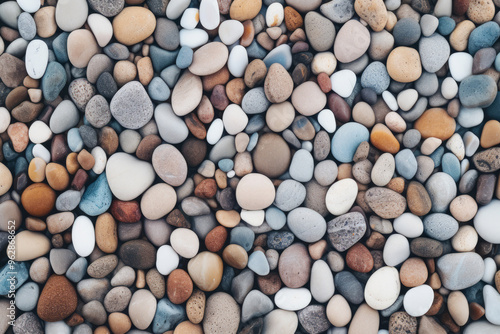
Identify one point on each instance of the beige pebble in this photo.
(460, 35)
(145, 70)
(363, 114)
(463, 208)
(124, 71)
(133, 25)
(119, 323)
(81, 47)
(403, 64)
(241, 142)
(465, 240)
(45, 20)
(280, 116)
(458, 307)
(395, 122)
(243, 164)
(430, 145)
(391, 21)
(481, 11)
(338, 311)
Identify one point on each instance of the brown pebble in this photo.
(179, 286)
(58, 299)
(413, 272)
(86, 160)
(476, 311)
(147, 146)
(126, 211)
(269, 284)
(437, 304)
(195, 306)
(216, 238)
(195, 126)
(235, 90)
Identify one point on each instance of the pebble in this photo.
(460, 270)
(418, 300)
(345, 230)
(382, 288)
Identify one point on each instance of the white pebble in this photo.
(460, 64)
(39, 151)
(29, 6)
(449, 88)
(464, 166)
(185, 242)
(190, 18)
(209, 14)
(396, 250)
(166, 260)
(292, 299)
(175, 8)
(418, 300)
(39, 132)
(100, 160)
(57, 327)
(407, 99)
(235, 119)
(390, 100)
(343, 82)
(490, 269)
(307, 145)
(83, 236)
(101, 28)
(253, 217)
(409, 225)
(238, 61)
(4, 119)
(456, 145)
(193, 38)
(37, 57)
(274, 14)
(471, 142)
(326, 119)
(214, 132)
(230, 31)
(324, 62)
(382, 288)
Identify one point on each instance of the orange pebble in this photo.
(383, 139)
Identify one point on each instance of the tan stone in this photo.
(133, 25)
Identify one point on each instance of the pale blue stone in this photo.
(346, 140)
(242, 236)
(275, 218)
(15, 273)
(168, 315)
(406, 164)
(75, 141)
(282, 55)
(226, 165)
(257, 262)
(440, 226)
(27, 296)
(97, 198)
(451, 166)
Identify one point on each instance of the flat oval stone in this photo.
(459, 271)
(131, 106)
(205, 270)
(30, 245)
(484, 222)
(385, 202)
(477, 91)
(341, 196)
(37, 56)
(138, 254)
(127, 176)
(133, 25)
(171, 127)
(142, 308)
(295, 266)
(440, 226)
(186, 94)
(169, 164)
(83, 236)
(345, 51)
(292, 299)
(306, 224)
(346, 140)
(255, 192)
(209, 59)
(442, 190)
(382, 288)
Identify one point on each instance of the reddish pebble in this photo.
(179, 286)
(359, 259)
(324, 82)
(216, 238)
(206, 189)
(126, 212)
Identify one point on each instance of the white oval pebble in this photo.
(37, 57)
(382, 288)
(470, 117)
(166, 260)
(341, 196)
(343, 82)
(390, 100)
(326, 119)
(456, 145)
(238, 61)
(322, 286)
(29, 6)
(396, 250)
(274, 14)
(235, 119)
(407, 99)
(292, 299)
(83, 236)
(418, 300)
(230, 31)
(190, 18)
(71, 14)
(100, 160)
(193, 38)
(185, 242)
(4, 119)
(409, 225)
(324, 62)
(471, 142)
(101, 28)
(253, 217)
(57, 327)
(214, 132)
(39, 151)
(175, 8)
(460, 64)
(486, 222)
(490, 269)
(209, 14)
(449, 88)
(39, 132)
(171, 127)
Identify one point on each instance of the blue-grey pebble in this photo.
(446, 25)
(242, 284)
(442, 190)
(88, 135)
(116, 51)
(27, 296)
(257, 262)
(167, 34)
(53, 81)
(184, 58)
(21, 165)
(406, 32)
(161, 58)
(61, 259)
(106, 85)
(26, 26)
(254, 50)
(68, 200)
(170, 75)
(346, 140)
(406, 164)
(477, 91)
(17, 270)
(168, 315)
(427, 84)
(375, 76)
(75, 142)
(434, 52)
(97, 198)
(349, 287)
(77, 270)
(158, 90)
(254, 138)
(437, 155)
(483, 36)
(411, 138)
(306, 224)
(227, 277)
(280, 240)
(255, 124)
(255, 101)
(451, 165)
(8, 152)
(242, 236)
(440, 226)
(289, 195)
(275, 218)
(468, 181)
(226, 165)
(281, 54)
(393, 308)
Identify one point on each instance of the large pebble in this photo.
(460, 270)
(131, 106)
(382, 288)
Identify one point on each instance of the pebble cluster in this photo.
(250, 166)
